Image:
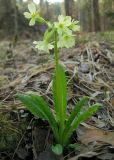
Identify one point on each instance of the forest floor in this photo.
(90, 71)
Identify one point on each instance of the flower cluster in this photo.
(64, 27)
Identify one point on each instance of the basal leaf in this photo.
(60, 99)
(77, 108)
(84, 116)
(80, 118)
(38, 107)
(60, 93)
(75, 112)
(40, 102)
(31, 106)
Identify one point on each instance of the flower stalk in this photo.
(56, 49)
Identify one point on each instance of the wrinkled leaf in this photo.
(78, 119)
(39, 108)
(75, 112)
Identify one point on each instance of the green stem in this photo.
(61, 130)
(56, 50)
(61, 123)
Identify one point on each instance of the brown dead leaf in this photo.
(83, 155)
(94, 134)
(101, 81)
(21, 81)
(112, 101)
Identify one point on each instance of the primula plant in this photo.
(57, 35)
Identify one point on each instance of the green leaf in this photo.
(75, 146)
(60, 98)
(77, 109)
(87, 114)
(77, 120)
(75, 112)
(45, 108)
(31, 106)
(60, 93)
(39, 108)
(57, 149)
